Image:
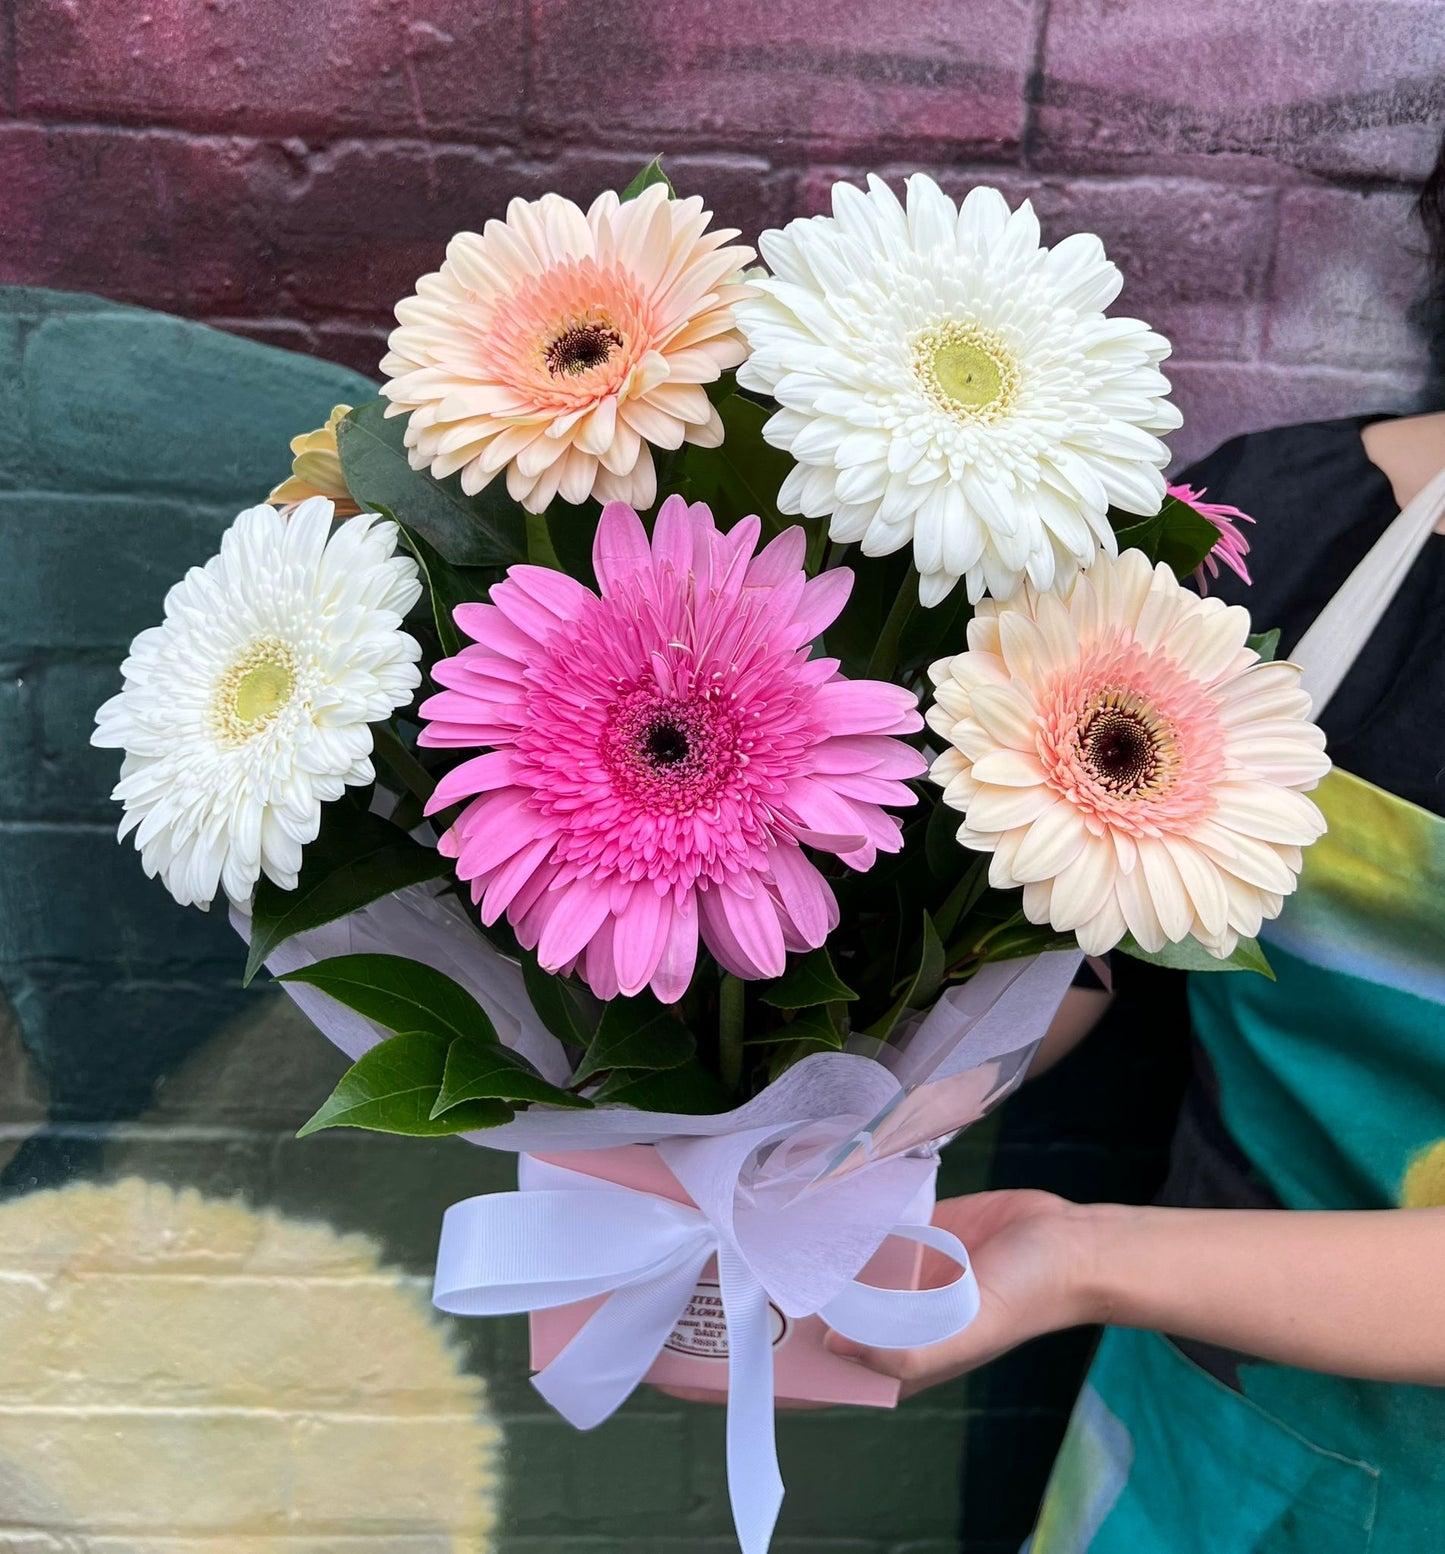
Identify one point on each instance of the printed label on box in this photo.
(702, 1331)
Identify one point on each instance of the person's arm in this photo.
(1080, 1012)
(1355, 1294)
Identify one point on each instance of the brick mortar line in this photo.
(546, 148)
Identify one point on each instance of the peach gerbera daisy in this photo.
(1129, 760)
(558, 345)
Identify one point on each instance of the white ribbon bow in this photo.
(504, 1253)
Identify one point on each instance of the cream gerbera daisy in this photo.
(316, 469)
(250, 706)
(945, 380)
(1128, 760)
(557, 345)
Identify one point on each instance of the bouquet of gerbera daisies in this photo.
(664, 882)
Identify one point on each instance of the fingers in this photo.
(914, 1368)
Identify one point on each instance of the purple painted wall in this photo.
(287, 170)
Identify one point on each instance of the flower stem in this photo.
(730, 1030)
(884, 662)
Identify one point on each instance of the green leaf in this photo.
(937, 632)
(687, 1088)
(809, 979)
(964, 896)
(488, 529)
(401, 994)
(565, 1009)
(357, 858)
(488, 1071)
(392, 1089)
(946, 855)
(541, 552)
(1190, 955)
(745, 474)
(876, 584)
(883, 661)
(1266, 644)
(649, 175)
(922, 986)
(1178, 535)
(814, 1026)
(448, 586)
(392, 752)
(636, 1033)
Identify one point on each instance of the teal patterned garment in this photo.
(1325, 1088)
(1332, 1082)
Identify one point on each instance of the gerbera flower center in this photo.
(580, 347)
(254, 690)
(968, 371)
(671, 753)
(667, 743)
(1126, 746)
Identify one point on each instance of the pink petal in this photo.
(823, 601)
(620, 550)
(494, 828)
(529, 604)
(867, 753)
(481, 774)
(486, 621)
(805, 895)
(717, 933)
(507, 881)
(639, 936)
(866, 707)
(830, 841)
(672, 536)
(577, 911)
(754, 927)
(599, 962)
(779, 559)
(679, 951)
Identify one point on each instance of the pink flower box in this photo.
(696, 1355)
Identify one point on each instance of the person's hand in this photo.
(1029, 1255)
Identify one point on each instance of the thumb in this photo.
(887, 1362)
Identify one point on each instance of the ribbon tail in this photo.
(615, 1348)
(755, 1486)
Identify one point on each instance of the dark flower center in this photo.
(580, 348)
(1120, 749)
(666, 744)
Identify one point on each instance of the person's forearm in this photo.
(1356, 1294)
(1078, 1014)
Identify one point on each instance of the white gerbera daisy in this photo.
(251, 705)
(947, 380)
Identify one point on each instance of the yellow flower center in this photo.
(256, 687)
(967, 370)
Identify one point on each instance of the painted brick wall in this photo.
(193, 1365)
(287, 171)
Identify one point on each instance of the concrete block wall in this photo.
(287, 172)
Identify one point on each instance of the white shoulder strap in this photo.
(1332, 644)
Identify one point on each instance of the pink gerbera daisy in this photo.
(1231, 548)
(660, 754)
(558, 345)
